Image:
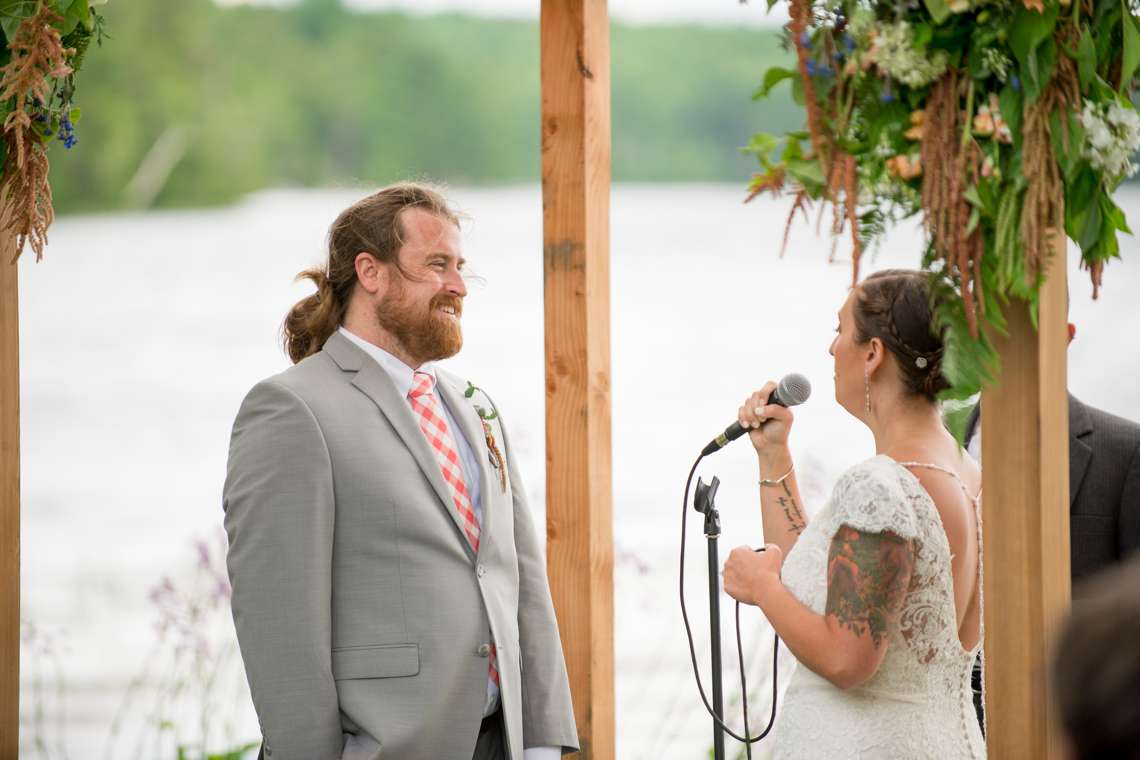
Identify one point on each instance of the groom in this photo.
(389, 591)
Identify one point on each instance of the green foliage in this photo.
(956, 415)
(237, 753)
(1030, 40)
(872, 67)
(1131, 47)
(312, 94)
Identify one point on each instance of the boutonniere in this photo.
(494, 454)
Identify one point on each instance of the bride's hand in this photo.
(747, 573)
(768, 425)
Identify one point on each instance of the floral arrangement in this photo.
(1005, 123)
(494, 454)
(45, 42)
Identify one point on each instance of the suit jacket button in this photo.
(484, 650)
(481, 570)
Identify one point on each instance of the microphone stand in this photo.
(703, 502)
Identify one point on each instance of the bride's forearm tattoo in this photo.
(867, 578)
(792, 513)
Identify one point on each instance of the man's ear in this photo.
(371, 274)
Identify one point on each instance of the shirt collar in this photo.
(402, 375)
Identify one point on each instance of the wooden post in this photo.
(1025, 461)
(576, 193)
(9, 505)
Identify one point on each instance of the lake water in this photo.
(140, 334)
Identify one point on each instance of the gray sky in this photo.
(717, 12)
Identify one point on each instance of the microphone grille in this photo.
(794, 389)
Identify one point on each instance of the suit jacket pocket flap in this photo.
(381, 661)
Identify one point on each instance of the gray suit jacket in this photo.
(1104, 487)
(362, 613)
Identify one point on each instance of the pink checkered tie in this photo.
(433, 423)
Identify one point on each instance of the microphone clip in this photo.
(704, 501)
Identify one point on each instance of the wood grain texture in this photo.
(576, 192)
(9, 505)
(1025, 463)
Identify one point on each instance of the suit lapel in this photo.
(371, 380)
(472, 429)
(972, 422)
(1080, 453)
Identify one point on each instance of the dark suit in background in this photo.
(1104, 494)
(1104, 487)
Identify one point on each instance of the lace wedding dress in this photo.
(919, 702)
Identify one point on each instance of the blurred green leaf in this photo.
(1086, 59)
(939, 10)
(1131, 47)
(773, 77)
(13, 12)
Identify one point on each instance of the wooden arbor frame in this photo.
(1024, 434)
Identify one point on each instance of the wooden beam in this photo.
(575, 193)
(9, 505)
(1025, 465)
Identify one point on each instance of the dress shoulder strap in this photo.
(947, 471)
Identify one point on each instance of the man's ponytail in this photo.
(371, 225)
(313, 319)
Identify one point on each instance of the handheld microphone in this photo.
(793, 389)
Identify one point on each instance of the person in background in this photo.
(1104, 484)
(1104, 492)
(1096, 668)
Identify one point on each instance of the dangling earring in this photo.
(867, 389)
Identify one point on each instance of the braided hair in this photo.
(896, 306)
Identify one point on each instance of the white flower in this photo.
(896, 56)
(997, 63)
(1112, 133)
(93, 3)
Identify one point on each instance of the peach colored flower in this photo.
(904, 167)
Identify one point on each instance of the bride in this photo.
(878, 597)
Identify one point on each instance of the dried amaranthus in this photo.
(38, 55)
(838, 168)
(1042, 213)
(949, 160)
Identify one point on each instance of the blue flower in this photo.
(805, 40)
(812, 69)
(848, 42)
(887, 97)
(825, 70)
(48, 132)
(1015, 81)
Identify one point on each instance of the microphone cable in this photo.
(748, 740)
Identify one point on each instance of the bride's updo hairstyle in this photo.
(896, 307)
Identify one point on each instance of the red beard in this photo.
(424, 332)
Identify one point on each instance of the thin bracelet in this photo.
(779, 480)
